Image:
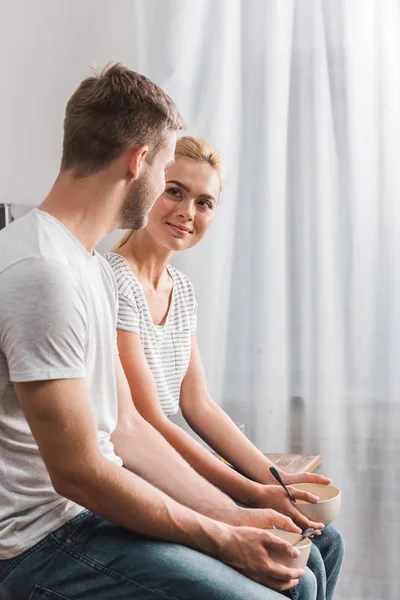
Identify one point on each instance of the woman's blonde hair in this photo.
(197, 149)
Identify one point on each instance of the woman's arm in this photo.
(216, 428)
(145, 397)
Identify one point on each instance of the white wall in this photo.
(46, 48)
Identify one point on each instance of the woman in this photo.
(159, 352)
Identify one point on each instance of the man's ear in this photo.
(136, 160)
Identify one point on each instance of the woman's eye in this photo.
(174, 192)
(205, 203)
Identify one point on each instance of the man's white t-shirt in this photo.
(58, 311)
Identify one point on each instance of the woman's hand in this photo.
(291, 478)
(274, 496)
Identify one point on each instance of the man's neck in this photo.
(84, 207)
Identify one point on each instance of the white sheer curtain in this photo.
(297, 282)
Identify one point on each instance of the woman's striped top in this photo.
(167, 347)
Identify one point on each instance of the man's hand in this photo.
(274, 496)
(248, 549)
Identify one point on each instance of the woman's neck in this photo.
(148, 260)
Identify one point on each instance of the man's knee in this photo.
(307, 588)
(205, 578)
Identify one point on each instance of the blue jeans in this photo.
(90, 558)
(326, 557)
(325, 561)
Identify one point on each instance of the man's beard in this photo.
(137, 205)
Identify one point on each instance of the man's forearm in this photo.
(125, 499)
(145, 452)
(208, 465)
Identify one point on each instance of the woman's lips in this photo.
(179, 229)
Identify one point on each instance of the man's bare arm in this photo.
(62, 420)
(63, 423)
(145, 452)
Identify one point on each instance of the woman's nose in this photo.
(187, 210)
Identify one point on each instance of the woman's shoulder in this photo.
(180, 278)
(126, 280)
(114, 259)
(184, 290)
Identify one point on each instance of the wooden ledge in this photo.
(296, 463)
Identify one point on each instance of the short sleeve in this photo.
(193, 319)
(128, 314)
(43, 321)
(191, 303)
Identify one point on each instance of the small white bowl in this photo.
(327, 509)
(304, 548)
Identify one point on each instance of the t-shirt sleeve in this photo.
(191, 303)
(128, 314)
(193, 319)
(43, 321)
(115, 346)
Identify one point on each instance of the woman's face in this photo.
(183, 213)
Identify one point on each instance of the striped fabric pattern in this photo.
(167, 347)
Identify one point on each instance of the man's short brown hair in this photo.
(110, 112)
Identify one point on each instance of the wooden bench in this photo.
(293, 463)
(296, 463)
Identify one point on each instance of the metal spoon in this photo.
(306, 534)
(279, 480)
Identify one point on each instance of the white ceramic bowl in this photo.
(327, 509)
(304, 548)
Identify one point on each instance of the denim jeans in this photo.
(91, 558)
(325, 561)
(326, 557)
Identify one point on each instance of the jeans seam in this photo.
(89, 562)
(41, 589)
(293, 593)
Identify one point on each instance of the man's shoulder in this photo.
(38, 277)
(108, 274)
(17, 241)
(29, 242)
(103, 258)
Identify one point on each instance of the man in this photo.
(93, 502)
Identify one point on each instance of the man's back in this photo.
(57, 321)
(152, 527)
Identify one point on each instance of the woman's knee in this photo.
(334, 540)
(330, 540)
